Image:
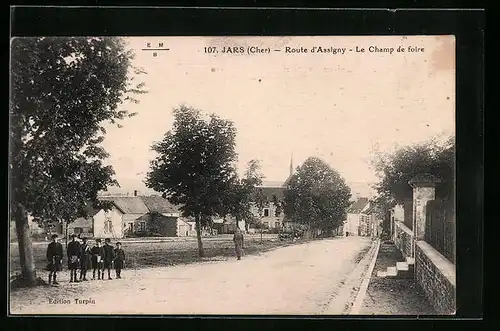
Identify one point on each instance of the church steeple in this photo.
(285, 184)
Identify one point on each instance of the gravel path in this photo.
(298, 279)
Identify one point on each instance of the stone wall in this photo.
(436, 275)
(403, 239)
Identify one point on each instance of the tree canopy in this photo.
(278, 205)
(396, 169)
(240, 195)
(317, 196)
(63, 90)
(194, 167)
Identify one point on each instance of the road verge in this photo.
(358, 302)
(343, 299)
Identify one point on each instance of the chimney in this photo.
(135, 193)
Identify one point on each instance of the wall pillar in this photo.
(424, 190)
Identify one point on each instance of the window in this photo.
(277, 224)
(142, 226)
(107, 224)
(131, 227)
(78, 230)
(266, 212)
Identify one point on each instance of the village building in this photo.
(38, 230)
(362, 219)
(268, 217)
(136, 216)
(128, 216)
(227, 225)
(82, 227)
(132, 216)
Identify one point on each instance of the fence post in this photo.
(424, 190)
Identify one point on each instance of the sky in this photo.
(331, 105)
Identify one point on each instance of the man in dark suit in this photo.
(74, 252)
(109, 256)
(54, 256)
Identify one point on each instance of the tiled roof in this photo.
(128, 205)
(270, 183)
(369, 210)
(81, 223)
(357, 206)
(270, 191)
(159, 205)
(142, 204)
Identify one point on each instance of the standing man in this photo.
(238, 242)
(85, 263)
(54, 256)
(74, 253)
(109, 256)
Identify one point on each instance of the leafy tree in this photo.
(278, 209)
(382, 212)
(278, 206)
(240, 193)
(396, 169)
(317, 197)
(260, 202)
(62, 91)
(194, 167)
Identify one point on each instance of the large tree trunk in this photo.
(65, 223)
(28, 272)
(201, 252)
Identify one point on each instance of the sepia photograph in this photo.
(239, 175)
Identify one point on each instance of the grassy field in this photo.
(159, 254)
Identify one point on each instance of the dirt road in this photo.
(299, 279)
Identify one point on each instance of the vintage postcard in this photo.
(232, 175)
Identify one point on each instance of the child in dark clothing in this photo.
(85, 259)
(54, 256)
(119, 260)
(108, 257)
(97, 253)
(74, 252)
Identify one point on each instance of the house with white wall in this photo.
(356, 217)
(268, 217)
(131, 216)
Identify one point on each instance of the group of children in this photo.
(83, 258)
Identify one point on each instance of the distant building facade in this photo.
(362, 219)
(269, 218)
